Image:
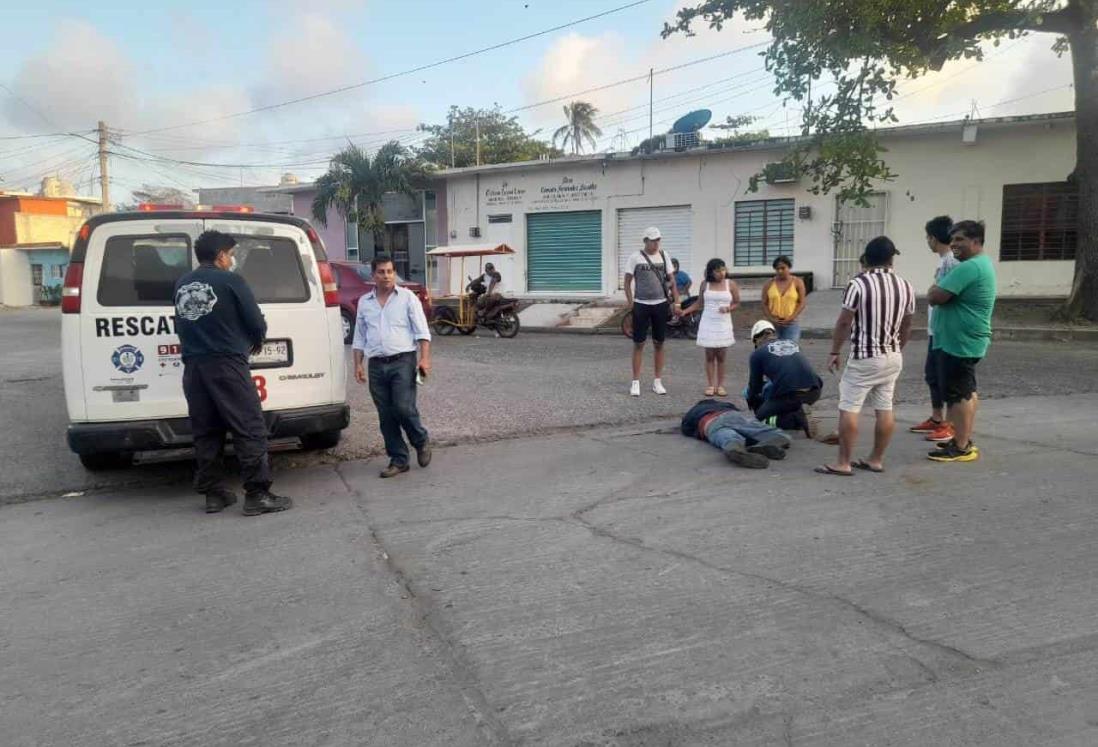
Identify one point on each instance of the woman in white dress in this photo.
(719, 296)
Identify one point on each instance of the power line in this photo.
(391, 76)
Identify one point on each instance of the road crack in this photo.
(463, 670)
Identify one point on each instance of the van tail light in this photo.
(328, 283)
(70, 292)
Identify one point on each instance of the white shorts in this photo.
(870, 381)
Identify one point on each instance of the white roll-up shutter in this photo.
(675, 225)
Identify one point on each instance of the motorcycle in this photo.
(501, 317)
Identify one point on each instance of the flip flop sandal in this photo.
(722, 392)
(827, 469)
(863, 464)
(709, 392)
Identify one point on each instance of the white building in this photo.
(572, 221)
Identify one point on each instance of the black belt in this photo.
(390, 358)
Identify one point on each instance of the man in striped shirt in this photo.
(876, 316)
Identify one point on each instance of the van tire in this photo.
(106, 460)
(322, 440)
(348, 327)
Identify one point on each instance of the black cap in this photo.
(879, 250)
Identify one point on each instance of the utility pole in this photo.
(452, 161)
(104, 178)
(478, 140)
(651, 83)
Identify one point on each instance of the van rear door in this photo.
(295, 367)
(129, 351)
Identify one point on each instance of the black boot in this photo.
(265, 502)
(219, 499)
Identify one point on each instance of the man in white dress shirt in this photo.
(389, 327)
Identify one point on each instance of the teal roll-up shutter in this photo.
(564, 251)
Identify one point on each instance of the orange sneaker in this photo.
(943, 433)
(927, 426)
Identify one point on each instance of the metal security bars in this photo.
(1039, 222)
(763, 231)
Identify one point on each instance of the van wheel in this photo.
(322, 440)
(348, 327)
(104, 461)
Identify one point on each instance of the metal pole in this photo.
(452, 161)
(651, 83)
(104, 178)
(478, 141)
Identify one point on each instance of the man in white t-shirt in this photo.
(649, 293)
(936, 426)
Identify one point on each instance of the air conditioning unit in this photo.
(685, 140)
(474, 232)
(779, 172)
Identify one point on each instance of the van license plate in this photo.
(274, 353)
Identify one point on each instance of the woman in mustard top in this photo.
(783, 299)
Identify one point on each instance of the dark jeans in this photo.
(393, 388)
(792, 402)
(221, 397)
(930, 370)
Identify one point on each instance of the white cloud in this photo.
(575, 62)
(1014, 70)
(80, 78)
(311, 54)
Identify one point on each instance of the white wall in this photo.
(15, 278)
(937, 174)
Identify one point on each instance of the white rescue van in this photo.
(122, 366)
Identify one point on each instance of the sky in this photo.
(149, 66)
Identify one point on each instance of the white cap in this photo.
(761, 326)
(652, 233)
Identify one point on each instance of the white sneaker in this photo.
(635, 389)
(657, 387)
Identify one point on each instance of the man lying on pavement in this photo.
(743, 439)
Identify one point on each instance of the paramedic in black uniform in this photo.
(219, 324)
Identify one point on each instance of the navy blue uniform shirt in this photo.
(216, 314)
(782, 363)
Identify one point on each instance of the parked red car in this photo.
(355, 280)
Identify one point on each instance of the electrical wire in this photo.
(402, 73)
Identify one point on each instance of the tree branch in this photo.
(1061, 21)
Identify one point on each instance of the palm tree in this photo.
(356, 183)
(581, 127)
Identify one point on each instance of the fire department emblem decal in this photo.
(195, 300)
(128, 359)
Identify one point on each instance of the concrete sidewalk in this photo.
(604, 587)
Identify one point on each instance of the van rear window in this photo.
(142, 270)
(272, 267)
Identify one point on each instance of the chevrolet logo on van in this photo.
(133, 326)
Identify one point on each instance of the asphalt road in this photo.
(482, 389)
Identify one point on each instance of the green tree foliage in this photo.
(735, 134)
(843, 60)
(355, 184)
(502, 139)
(580, 127)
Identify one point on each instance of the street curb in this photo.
(1018, 334)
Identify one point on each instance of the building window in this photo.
(506, 218)
(36, 276)
(763, 231)
(352, 239)
(1040, 221)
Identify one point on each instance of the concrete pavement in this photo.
(612, 586)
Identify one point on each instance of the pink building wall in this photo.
(334, 235)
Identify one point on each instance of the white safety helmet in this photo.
(652, 233)
(761, 326)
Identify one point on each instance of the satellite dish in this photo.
(692, 122)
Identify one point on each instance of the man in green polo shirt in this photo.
(963, 301)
